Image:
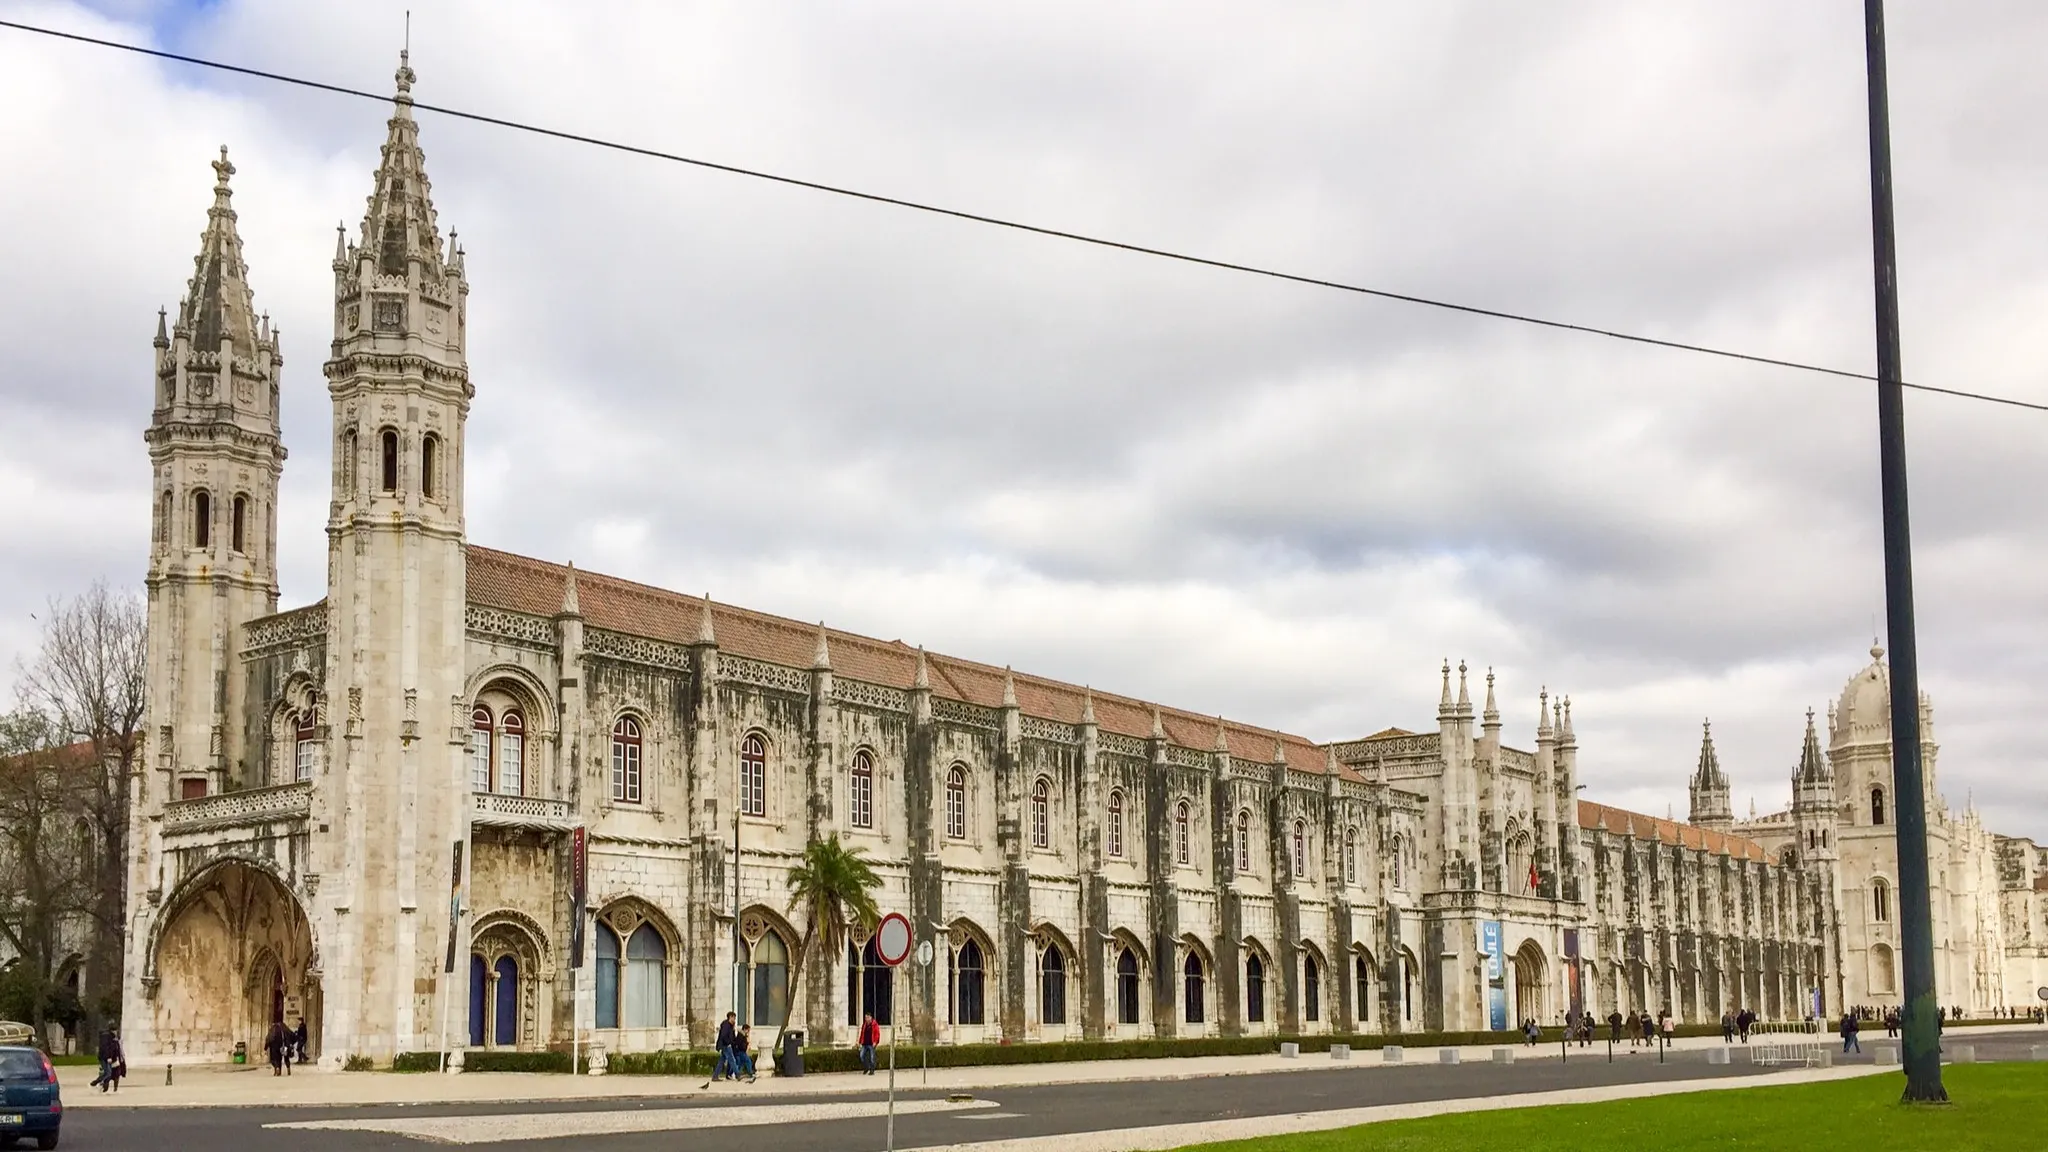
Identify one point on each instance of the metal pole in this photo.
(1921, 1051)
(892, 1080)
(575, 1026)
(737, 978)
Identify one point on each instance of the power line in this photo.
(1019, 226)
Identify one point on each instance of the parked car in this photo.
(30, 1104)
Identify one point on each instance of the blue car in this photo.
(29, 1101)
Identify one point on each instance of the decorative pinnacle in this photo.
(1158, 724)
(1009, 687)
(163, 338)
(569, 604)
(821, 658)
(222, 169)
(1444, 705)
(1565, 733)
(1492, 716)
(706, 634)
(1279, 751)
(340, 245)
(923, 681)
(1088, 706)
(1222, 737)
(1543, 730)
(1464, 698)
(405, 75)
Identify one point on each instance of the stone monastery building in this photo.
(1086, 865)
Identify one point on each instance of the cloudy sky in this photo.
(1280, 503)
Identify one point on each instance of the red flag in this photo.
(1534, 877)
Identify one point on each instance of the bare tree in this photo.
(87, 678)
(46, 866)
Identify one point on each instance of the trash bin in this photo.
(241, 1055)
(792, 1061)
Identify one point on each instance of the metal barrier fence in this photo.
(1788, 1044)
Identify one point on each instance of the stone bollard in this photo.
(2040, 1051)
(1963, 1054)
(1886, 1054)
(1825, 1057)
(1340, 1051)
(454, 1061)
(1503, 1055)
(1289, 1050)
(1447, 1056)
(1717, 1055)
(599, 1060)
(1391, 1054)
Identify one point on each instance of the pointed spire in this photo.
(1158, 724)
(569, 604)
(1464, 698)
(219, 305)
(1564, 730)
(1009, 687)
(1088, 706)
(400, 225)
(1813, 767)
(1709, 775)
(706, 633)
(821, 656)
(1222, 736)
(1330, 767)
(340, 245)
(163, 336)
(1543, 729)
(1492, 714)
(923, 680)
(1279, 751)
(1444, 705)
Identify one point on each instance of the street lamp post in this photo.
(1921, 1044)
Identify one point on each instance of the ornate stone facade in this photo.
(1086, 865)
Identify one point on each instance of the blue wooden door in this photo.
(506, 1017)
(476, 1001)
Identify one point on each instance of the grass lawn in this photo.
(1996, 1107)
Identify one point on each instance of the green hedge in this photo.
(488, 1060)
(416, 1062)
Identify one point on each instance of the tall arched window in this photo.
(1363, 975)
(1351, 855)
(430, 450)
(1041, 820)
(870, 987)
(754, 775)
(860, 791)
(956, 803)
(1180, 832)
(1311, 987)
(480, 749)
(626, 760)
(1300, 849)
(512, 756)
(607, 976)
(1126, 986)
(1400, 871)
(1254, 989)
(1880, 901)
(303, 746)
(643, 1002)
(389, 440)
(1052, 986)
(770, 979)
(348, 462)
(163, 527)
(238, 530)
(967, 983)
(1191, 989)
(1877, 805)
(1116, 823)
(202, 519)
(1244, 840)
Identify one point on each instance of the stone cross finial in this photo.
(405, 75)
(222, 169)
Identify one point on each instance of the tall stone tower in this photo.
(399, 381)
(1813, 800)
(216, 459)
(1710, 807)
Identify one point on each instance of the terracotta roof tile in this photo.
(1619, 821)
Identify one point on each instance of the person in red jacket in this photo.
(870, 1035)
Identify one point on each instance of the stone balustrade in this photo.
(520, 811)
(250, 807)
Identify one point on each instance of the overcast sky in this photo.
(1234, 495)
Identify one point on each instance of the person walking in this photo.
(1586, 1026)
(1669, 1027)
(742, 1049)
(1849, 1028)
(870, 1035)
(728, 1033)
(1743, 1021)
(1649, 1030)
(1614, 1027)
(299, 1040)
(1727, 1027)
(273, 1047)
(112, 1064)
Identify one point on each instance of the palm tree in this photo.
(832, 884)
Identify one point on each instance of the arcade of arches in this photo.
(235, 956)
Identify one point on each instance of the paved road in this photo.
(1020, 1111)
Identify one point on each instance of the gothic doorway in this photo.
(1530, 986)
(233, 954)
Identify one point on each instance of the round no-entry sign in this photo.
(892, 939)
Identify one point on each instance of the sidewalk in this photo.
(225, 1086)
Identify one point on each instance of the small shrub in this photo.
(358, 1063)
(495, 1061)
(416, 1062)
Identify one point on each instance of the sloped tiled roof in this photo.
(522, 584)
(1619, 821)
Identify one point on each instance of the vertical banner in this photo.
(1496, 988)
(1576, 994)
(454, 906)
(579, 891)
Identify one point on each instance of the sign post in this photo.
(892, 948)
(448, 968)
(579, 887)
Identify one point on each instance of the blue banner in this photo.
(1496, 989)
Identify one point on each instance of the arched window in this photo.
(643, 1000)
(1300, 849)
(1351, 855)
(1880, 901)
(860, 791)
(1877, 805)
(1191, 989)
(202, 519)
(238, 531)
(1254, 989)
(1244, 840)
(1882, 970)
(348, 462)
(956, 803)
(1041, 821)
(607, 976)
(1116, 823)
(163, 525)
(390, 443)
(967, 983)
(1052, 986)
(302, 746)
(1180, 832)
(430, 449)
(754, 775)
(480, 749)
(1363, 975)
(870, 987)
(1311, 987)
(1126, 986)
(626, 761)
(770, 980)
(512, 756)
(1400, 873)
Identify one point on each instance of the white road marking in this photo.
(555, 1125)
